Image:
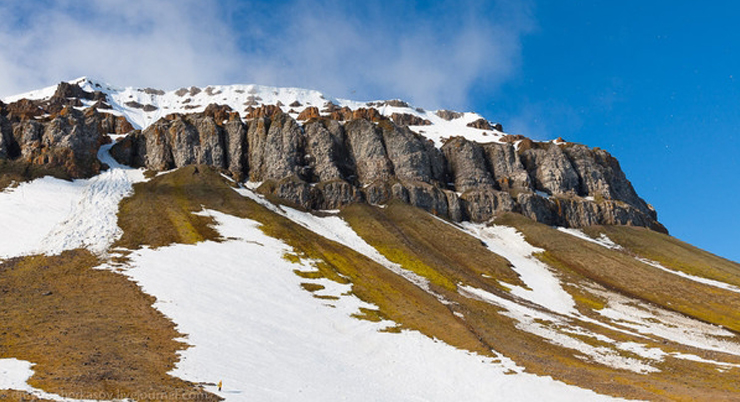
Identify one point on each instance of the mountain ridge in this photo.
(318, 154)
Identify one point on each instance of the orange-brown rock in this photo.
(481, 124)
(218, 112)
(511, 138)
(311, 112)
(406, 119)
(342, 114)
(371, 114)
(262, 111)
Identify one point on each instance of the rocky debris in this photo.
(66, 90)
(262, 111)
(448, 115)
(512, 138)
(220, 113)
(137, 105)
(211, 91)
(395, 103)
(65, 95)
(311, 112)
(371, 114)
(108, 123)
(481, 124)
(134, 105)
(406, 119)
(295, 104)
(342, 114)
(25, 109)
(152, 91)
(100, 105)
(330, 107)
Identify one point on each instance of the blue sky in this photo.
(654, 83)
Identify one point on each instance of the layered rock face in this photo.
(55, 135)
(328, 162)
(337, 156)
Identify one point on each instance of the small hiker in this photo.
(219, 385)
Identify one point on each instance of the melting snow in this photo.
(253, 327)
(544, 286)
(603, 240)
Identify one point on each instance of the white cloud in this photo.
(162, 43)
(430, 55)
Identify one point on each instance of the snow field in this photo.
(253, 327)
(52, 215)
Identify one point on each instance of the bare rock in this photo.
(482, 205)
(326, 151)
(481, 124)
(467, 165)
(406, 119)
(311, 112)
(407, 153)
(549, 168)
(368, 151)
(506, 166)
(448, 115)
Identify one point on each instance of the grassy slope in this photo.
(671, 252)
(621, 272)
(160, 213)
(14, 172)
(403, 233)
(434, 249)
(90, 332)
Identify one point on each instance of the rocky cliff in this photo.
(55, 134)
(324, 163)
(325, 159)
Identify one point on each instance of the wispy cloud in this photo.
(159, 43)
(431, 55)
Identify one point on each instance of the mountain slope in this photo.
(388, 301)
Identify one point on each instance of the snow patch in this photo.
(93, 222)
(543, 286)
(603, 240)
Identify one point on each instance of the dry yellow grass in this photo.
(90, 332)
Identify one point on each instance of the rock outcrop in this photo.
(66, 142)
(326, 163)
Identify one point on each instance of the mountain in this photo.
(299, 247)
